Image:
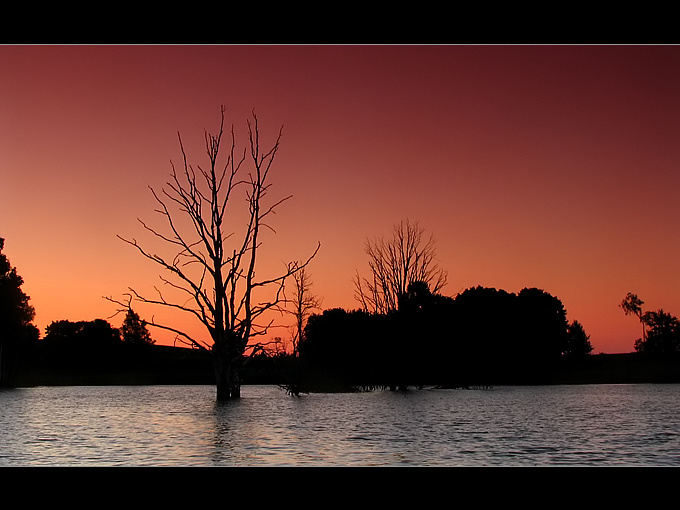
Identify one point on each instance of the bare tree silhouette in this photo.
(214, 267)
(394, 264)
(301, 306)
(303, 303)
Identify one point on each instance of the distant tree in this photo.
(632, 305)
(543, 325)
(404, 348)
(63, 333)
(302, 305)
(396, 263)
(325, 349)
(485, 320)
(82, 335)
(482, 336)
(418, 296)
(213, 267)
(578, 342)
(83, 347)
(133, 330)
(346, 348)
(17, 333)
(421, 340)
(486, 335)
(663, 336)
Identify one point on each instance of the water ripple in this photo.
(605, 425)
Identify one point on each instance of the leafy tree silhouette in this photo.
(660, 330)
(663, 336)
(544, 324)
(341, 349)
(421, 335)
(133, 330)
(578, 341)
(17, 333)
(482, 337)
(64, 335)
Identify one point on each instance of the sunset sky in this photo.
(555, 167)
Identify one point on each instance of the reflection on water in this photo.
(626, 425)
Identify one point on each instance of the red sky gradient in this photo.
(534, 166)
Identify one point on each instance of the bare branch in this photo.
(196, 343)
(218, 279)
(395, 264)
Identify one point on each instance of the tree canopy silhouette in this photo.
(222, 287)
(663, 336)
(134, 330)
(543, 324)
(17, 333)
(483, 336)
(578, 341)
(81, 336)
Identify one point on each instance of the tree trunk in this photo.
(227, 377)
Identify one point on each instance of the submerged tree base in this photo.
(224, 394)
(227, 381)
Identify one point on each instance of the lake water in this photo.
(589, 425)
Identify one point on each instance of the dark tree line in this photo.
(97, 334)
(81, 335)
(91, 348)
(97, 353)
(67, 346)
(483, 336)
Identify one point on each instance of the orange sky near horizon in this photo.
(554, 167)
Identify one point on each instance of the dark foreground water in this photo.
(590, 425)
